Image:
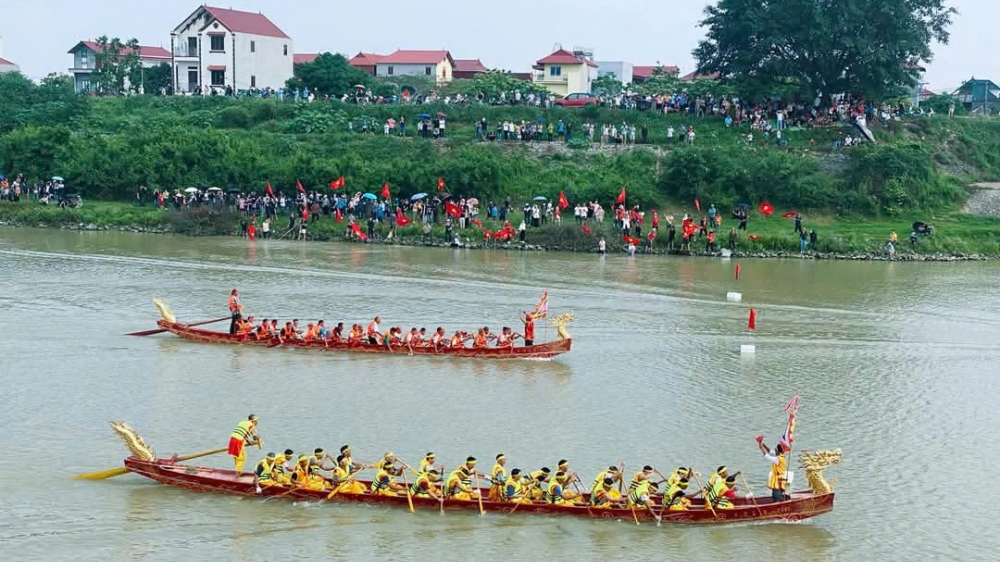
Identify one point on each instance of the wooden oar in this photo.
(444, 489)
(479, 495)
(752, 496)
(122, 470)
(708, 500)
(409, 497)
(161, 330)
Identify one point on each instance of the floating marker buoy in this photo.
(748, 349)
(734, 297)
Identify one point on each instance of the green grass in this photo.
(100, 213)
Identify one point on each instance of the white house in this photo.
(85, 61)
(432, 64)
(6, 65)
(215, 48)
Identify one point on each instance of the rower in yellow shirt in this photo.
(498, 478)
(604, 494)
(279, 469)
(264, 472)
(344, 478)
(615, 475)
(639, 477)
(674, 498)
(555, 493)
(423, 486)
(514, 491)
(536, 482)
(641, 496)
(385, 483)
(459, 483)
(427, 463)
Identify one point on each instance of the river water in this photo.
(896, 364)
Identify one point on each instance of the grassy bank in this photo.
(956, 234)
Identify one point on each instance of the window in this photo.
(253, 46)
(389, 70)
(286, 50)
(555, 71)
(253, 81)
(427, 70)
(84, 55)
(218, 77)
(218, 42)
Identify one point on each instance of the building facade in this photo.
(468, 69)
(621, 70)
(85, 62)
(365, 62)
(6, 65)
(214, 49)
(564, 73)
(432, 64)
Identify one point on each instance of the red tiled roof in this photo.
(246, 22)
(469, 65)
(926, 93)
(5, 62)
(562, 56)
(647, 71)
(301, 58)
(415, 57)
(365, 59)
(695, 76)
(145, 52)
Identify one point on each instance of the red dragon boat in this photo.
(546, 350)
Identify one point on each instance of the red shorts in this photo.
(235, 447)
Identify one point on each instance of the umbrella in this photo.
(418, 197)
(359, 86)
(2, 177)
(392, 122)
(214, 189)
(424, 116)
(191, 190)
(472, 201)
(444, 196)
(233, 190)
(440, 114)
(539, 198)
(370, 196)
(57, 178)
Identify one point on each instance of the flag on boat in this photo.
(385, 191)
(787, 438)
(541, 309)
(621, 198)
(298, 185)
(401, 219)
(440, 183)
(268, 190)
(337, 183)
(563, 202)
(752, 323)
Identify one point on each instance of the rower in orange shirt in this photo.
(458, 340)
(261, 331)
(482, 338)
(437, 340)
(311, 332)
(354, 337)
(529, 328)
(288, 332)
(373, 332)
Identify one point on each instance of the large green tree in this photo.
(608, 84)
(151, 80)
(116, 61)
(328, 74)
(821, 47)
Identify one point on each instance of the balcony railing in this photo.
(186, 51)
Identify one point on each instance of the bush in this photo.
(203, 221)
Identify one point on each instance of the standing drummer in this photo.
(777, 481)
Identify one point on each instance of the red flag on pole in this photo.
(476, 222)
(585, 229)
(357, 231)
(401, 219)
(440, 183)
(338, 215)
(563, 203)
(337, 183)
(766, 209)
(452, 209)
(298, 185)
(738, 272)
(789, 214)
(621, 198)
(697, 205)
(752, 323)
(631, 240)
(385, 190)
(268, 190)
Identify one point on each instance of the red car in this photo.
(576, 100)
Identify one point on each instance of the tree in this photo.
(328, 74)
(659, 83)
(608, 84)
(821, 47)
(152, 80)
(115, 62)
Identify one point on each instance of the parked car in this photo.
(577, 100)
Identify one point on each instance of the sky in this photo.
(509, 34)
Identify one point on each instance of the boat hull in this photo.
(802, 505)
(539, 351)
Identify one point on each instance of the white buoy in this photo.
(748, 349)
(734, 297)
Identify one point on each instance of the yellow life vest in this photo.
(599, 481)
(499, 476)
(635, 494)
(635, 481)
(668, 496)
(716, 496)
(426, 465)
(264, 469)
(417, 490)
(602, 488)
(553, 492)
(381, 481)
(777, 479)
(243, 430)
(511, 488)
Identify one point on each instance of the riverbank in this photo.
(957, 236)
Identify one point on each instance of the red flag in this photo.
(401, 219)
(651, 235)
(476, 222)
(440, 183)
(452, 209)
(738, 272)
(630, 240)
(697, 205)
(621, 198)
(486, 234)
(752, 323)
(585, 229)
(337, 183)
(357, 231)
(385, 190)
(268, 190)
(298, 185)
(563, 203)
(766, 209)
(789, 214)
(338, 215)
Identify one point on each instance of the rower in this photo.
(498, 478)
(310, 331)
(235, 309)
(604, 494)
(343, 477)
(437, 340)
(373, 331)
(459, 484)
(723, 493)
(513, 490)
(555, 492)
(354, 337)
(423, 486)
(615, 475)
(505, 339)
(273, 328)
(411, 338)
(674, 498)
(321, 331)
(641, 496)
(287, 333)
(640, 477)
(720, 473)
(535, 482)
(458, 340)
(315, 479)
(264, 471)
(421, 337)
(777, 480)
(261, 331)
(427, 463)
(279, 468)
(387, 338)
(297, 329)
(679, 473)
(242, 435)
(479, 341)
(338, 332)
(384, 483)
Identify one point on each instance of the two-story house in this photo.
(85, 61)
(564, 73)
(433, 64)
(216, 48)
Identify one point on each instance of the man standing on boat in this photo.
(777, 481)
(235, 309)
(244, 434)
(373, 333)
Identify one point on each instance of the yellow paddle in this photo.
(479, 494)
(708, 500)
(122, 470)
(409, 498)
(752, 496)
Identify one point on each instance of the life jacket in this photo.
(777, 479)
(421, 485)
(311, 333)
(503, 340)
(426, 465)
(264, 469)
(457, 341)
(717, 495)
(436, 339)
(460, 476)
(243, 430)
(599, 495)
(480, 341)
(553, 492)
(234, 304)
(288, 332)
(635, 481)
(499, 476)
(381, 481)
(511, 487)
(599, 481)
(242, 327)
(668, 497)
(372, 330)
(635, 494)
